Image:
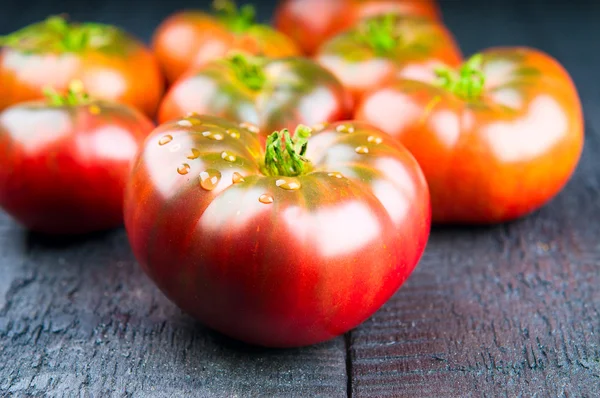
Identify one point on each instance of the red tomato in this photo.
(496, 140)
(312, 22)
(269, 94)
(64, 163)
(111, 64)
(384, 48)
(282, 248)
(190, 39)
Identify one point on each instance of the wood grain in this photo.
(510, 311)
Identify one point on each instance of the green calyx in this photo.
(380, 34)
(74, 96)
(57, 34)
(237, 19)
(248, 70)
(467, 83)
(285, 155)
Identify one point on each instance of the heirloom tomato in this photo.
(190, 39)
(386, 47)
(311, 22)
(496, 139)
(64, 162)
(268, 94)
(281, 245)
(111, 64)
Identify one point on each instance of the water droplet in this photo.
(175, 148)
(289, 185)
(183, 169)
(209, 179)
(345, 128)
(184, 123)
(237, 177)
(192, 114)
(195, 154)
(229, 157)
(94, 109)
(233, 133)
(250, 127)
(165, 139)
(375, 140)
(361, 150)
(266, 199)
(213, 136)
(336, 175)
(320, 127)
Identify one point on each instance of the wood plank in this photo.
(510, 310)
(81, 318)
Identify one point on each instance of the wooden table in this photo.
(511, 310)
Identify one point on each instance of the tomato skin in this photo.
(360, 68)
(63, 169)
(325, 19)
(189, 40)
(123, 71)
(305, 267)
(496, 159)
(296, 91)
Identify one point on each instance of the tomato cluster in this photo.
(275, 238)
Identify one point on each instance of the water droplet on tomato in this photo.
(233, 133)
(250, 127)
(375, 140)
(237, 177)
(165, 139)
(183, 169)
(213, 136)
(345, 128)
(319, 127)
(266, 199)
(209, 179)
(94, 109)
(195, 154)
(288, 184)
(184, 123)
(361, 150)
(229, 157)
(335, 174)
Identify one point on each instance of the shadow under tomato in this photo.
(35, 240)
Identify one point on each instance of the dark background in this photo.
(506, 311)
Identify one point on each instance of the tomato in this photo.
(284, 247)
(64, 162)
(190, 39)
(269, 94)
(312, 22)
(386, 47)
(111, 64)
(496, 140)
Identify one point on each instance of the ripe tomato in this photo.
(111, 64)
(323, 19)
(284, 247)
(386, 47)
(190, 39)
(269, 94)
(496, 140)
(64, 163)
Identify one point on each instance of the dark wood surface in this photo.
(511, 310)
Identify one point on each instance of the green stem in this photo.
(75, 95)
(468, 82)
(237, 19)
(248, 70)
(380, 34)
(55, 33)
(285, 155)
